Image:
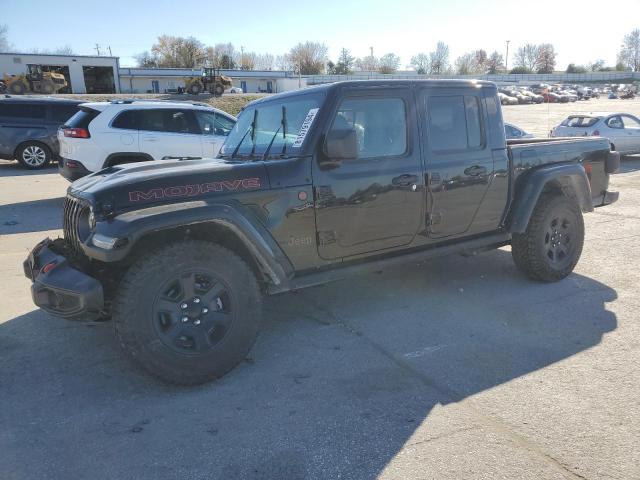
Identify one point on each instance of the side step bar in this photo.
(466, 247)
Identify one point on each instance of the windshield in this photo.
(276, 128)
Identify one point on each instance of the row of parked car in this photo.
(544, 93)
(87, 137)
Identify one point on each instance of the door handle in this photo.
(404, 180)
(475, 171)
(151, 139)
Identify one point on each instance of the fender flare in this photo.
(571, 177)
(130, 227)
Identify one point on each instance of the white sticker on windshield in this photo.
(304, 129)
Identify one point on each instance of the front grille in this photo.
(75, 221)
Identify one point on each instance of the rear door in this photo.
(460, 162)
(632, 133)
(21, 121)
(376, 201)
(169, 132)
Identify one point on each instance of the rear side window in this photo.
(126, 120)
(455, 123)
(82, 119)
(62, 113)
(23, 110)
(167, 120)
(580, 122)
(380, 124)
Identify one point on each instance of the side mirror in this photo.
(341, 144)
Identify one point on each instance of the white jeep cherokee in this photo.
(103, 134)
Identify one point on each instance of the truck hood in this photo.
(166, 181)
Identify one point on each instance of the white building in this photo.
(168, 80)
(84, 74)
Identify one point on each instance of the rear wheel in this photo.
(195, 88)
(33, 155)
(48, 88)
(189, 312)
(552, 244)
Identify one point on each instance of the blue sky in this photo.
(581, 31)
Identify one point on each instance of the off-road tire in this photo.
(141, 286)
(33, 155)
(533, 251)
(17, 88)
(194, 89)
(48, 88)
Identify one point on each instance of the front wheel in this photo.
(552, 244)
(188, 312)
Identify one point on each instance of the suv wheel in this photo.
(33, 155)
(551, 247)
(188, 312)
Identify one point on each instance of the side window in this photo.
(380, 124)
(126, 120)
(615, 122)
(62, 113)
(630, 122)
(166, 120)
(223, 125)
(206, 120)
(454, 123)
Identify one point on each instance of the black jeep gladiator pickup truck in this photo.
(310, 186)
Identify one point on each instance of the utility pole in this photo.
(98, 49)
(110, 54)
(241, 57)
(506, 58)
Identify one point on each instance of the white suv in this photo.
(104, 134)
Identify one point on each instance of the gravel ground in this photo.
(458, 368)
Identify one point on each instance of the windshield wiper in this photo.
(282, 124)
(250, 129)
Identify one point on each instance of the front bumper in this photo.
(72, 169)
(60, 289)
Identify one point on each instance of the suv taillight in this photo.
(76, 132)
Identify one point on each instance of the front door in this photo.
(376, 201)
(460, 163)
(632, 133)
(243, 86)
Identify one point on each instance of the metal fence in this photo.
(595, 77)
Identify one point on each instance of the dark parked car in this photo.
(310, 186)
(29, 126)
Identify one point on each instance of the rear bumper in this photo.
(72, 169)
(60, 289)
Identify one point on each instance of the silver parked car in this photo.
(512, 132)
(622, 129)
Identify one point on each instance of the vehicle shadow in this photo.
(340, 379)
(10, 168)
(629, 163)
(33, 216)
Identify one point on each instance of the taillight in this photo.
(596, 133)
(76, 132)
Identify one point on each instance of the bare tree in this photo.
(527, 57)
(5, 46)
(246, 60)
(439, 59)
(283, 62)
(629, 54)
(389, 63)
(420, 63)
(368, 63)
(545, 58)
(146, 59)
(308, 58)
(597, 66)
(64, 50)
(465, 64)
(480, 61)
(178, 52)
(264, 61)
(495, 63)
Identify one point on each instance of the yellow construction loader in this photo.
(210, 81)
(34, 81)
